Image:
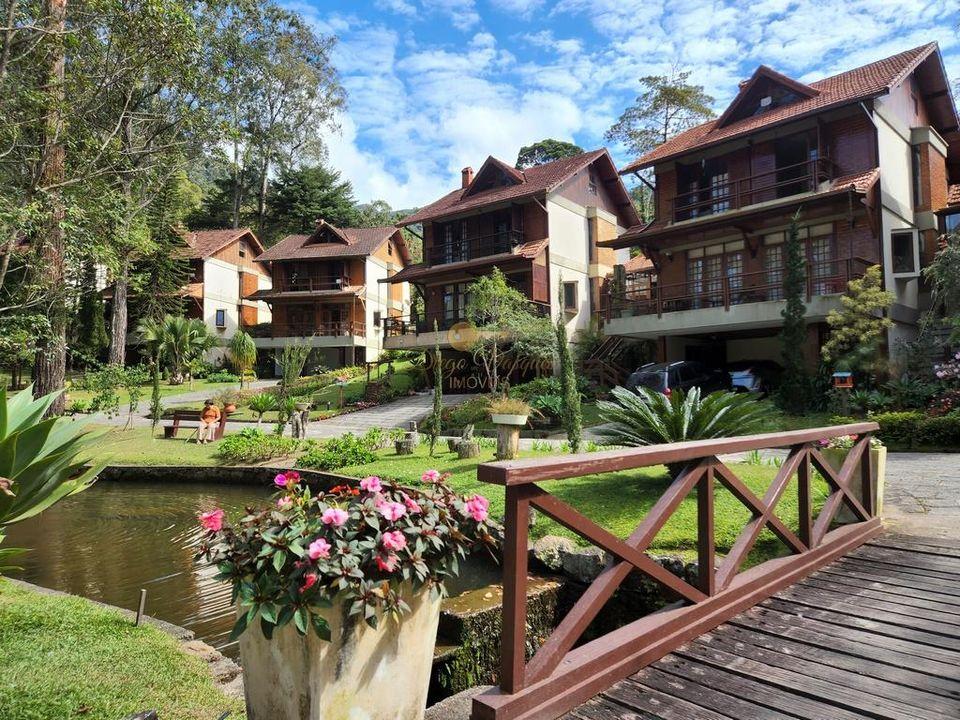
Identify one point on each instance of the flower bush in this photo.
(949, 371)
(846, 442)
(251, 445)
(338, 452)
(355, 544)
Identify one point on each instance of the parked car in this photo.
(680, 375)
(756, 376)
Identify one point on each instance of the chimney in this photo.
(466, 176)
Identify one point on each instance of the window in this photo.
(773, 269)
(904, 252)
(221, 319)
(915, 162)
(823, 269)
(951, 223)
(243, 251)
(376, 318)
(390, 249)
(570, 303)
(592, 187)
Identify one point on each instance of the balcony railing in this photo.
(344, 328)
(822, 278)
(736, 194)
(472, 248)
(310, 284)
(415, 325)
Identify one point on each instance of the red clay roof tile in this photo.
(360, 242)
(847, 87)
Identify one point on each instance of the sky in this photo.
(436, 85)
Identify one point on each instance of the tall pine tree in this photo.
(794, 393)
(89, 329)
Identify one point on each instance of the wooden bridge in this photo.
(852, 624)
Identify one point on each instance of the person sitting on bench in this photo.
(209, 417)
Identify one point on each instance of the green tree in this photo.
(507, 327)
(545, 151)
(89, 328)
(572, 413)
(300, 197)
(794, 392)
(376, 214)
(858, 328)
(667, 105)
(243, 354)
(176, 341)
(943, 277)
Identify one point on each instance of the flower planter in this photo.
(301, 406)
(878, 469)
(230, 408)
(502, 419)
(381, 674)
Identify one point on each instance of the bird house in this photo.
(843, 380)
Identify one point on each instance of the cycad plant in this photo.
(647, 417)
(41, 461)
(176, 341)
(262, 403)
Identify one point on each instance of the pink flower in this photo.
(394, 540)
(477, 507)
(387, 564)
(431, 476)
(280, 480)
(334, 516)
(392, 511)
(284, 503)
(287, 480)
(371, 484)
(319, 548)
(213, 520)
(412, 505)
(309, 580)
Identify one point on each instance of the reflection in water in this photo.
(115, 538)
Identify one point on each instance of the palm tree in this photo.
(243, 354)
(176, 341)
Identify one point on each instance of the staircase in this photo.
(604, 365)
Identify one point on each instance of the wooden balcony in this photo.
(416, 325)
(310, 284)
(315, 329)
(742, 192)
(824, 278)
(443, 253)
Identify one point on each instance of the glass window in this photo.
(570, 296)
(951, 223)
(221, 319)
(903, 252)
(735, 271)
(823, 269)
(773, 267)
(916, 176)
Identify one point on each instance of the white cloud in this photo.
(462, 13)
(400, 7)
(521, 8)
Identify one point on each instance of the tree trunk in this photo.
(50, 363)
(118, 317)
(262, 198)
(237, 176)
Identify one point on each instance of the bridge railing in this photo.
(562, 674)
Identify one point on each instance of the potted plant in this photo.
(227, 400)
(330, 586)
(509, 415)
(509, 411)
(835, 451)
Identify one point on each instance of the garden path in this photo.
(922, 496)
(395, 414)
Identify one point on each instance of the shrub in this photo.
(79, 407)
(945, 403)
(909, 394)
(338, 452)
(222, 376)
(550, 406)
(912, 429)
(471, 412)
(251, 445)
(943, 431)
(509, 406)
(898, 428)
(200, 368)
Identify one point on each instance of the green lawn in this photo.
(166, 390)
(137, 447)
(615, 501)
(65, 657)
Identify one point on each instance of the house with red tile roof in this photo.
(865, 158)
(226, 269)
(326, 288)
(540, 226)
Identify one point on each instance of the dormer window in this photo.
(765, 91)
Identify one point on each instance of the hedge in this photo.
(914, 429)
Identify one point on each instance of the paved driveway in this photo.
(922, 496)
(395, 414)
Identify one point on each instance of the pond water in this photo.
(117, 537)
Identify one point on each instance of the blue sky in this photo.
(434, 85)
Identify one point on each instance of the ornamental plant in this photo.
(353, 544)
(846, 442)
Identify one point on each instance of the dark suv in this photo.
(681, 375)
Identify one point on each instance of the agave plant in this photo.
(647, 417)
(262, 403)
(41, 461)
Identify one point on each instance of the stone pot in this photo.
(504, 419)
(230, 408)
(301, 406)
(878, 468)
(381, 674)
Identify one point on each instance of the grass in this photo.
(615, 501)
(166, 390)
(137, 446)
(66, 657)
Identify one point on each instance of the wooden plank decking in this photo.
(875, 634)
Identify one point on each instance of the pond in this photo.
(117, 537)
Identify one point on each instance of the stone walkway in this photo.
(922, 495)
(396, 414)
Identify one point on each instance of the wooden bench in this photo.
(179, 416)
